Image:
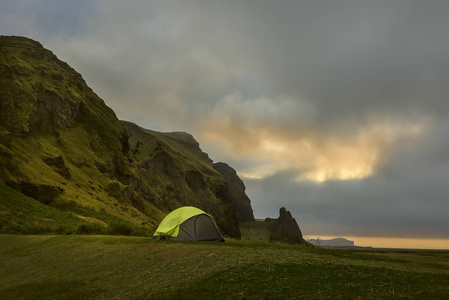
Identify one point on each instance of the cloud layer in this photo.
(336, 110)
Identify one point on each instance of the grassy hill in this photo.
(173, 171)
(60, 145)
(108, 267)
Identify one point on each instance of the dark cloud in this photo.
(46, 18)
(289, 92)
(376, 206)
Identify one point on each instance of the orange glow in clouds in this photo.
(315, 156)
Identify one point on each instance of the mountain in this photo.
(237, 192)
(336, 242)
(65, 155)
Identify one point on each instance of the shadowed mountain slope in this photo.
(177, 173)
(237, 191)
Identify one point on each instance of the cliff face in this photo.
(61, 145)
(237, 192)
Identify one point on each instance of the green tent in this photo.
(188, 223)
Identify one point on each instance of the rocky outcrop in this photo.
(58, 165)
(236, 192)
(41, 192)
(285, 229)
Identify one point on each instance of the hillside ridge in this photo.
(62, 146)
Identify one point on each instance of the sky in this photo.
(336, 110)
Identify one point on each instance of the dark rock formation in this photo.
(41, 192)
(58, 165)
(237, 192)
(285, 229)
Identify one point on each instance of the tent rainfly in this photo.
(188, 223)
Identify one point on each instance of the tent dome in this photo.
(188, 223)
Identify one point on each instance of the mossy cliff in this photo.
(237, 191)
(62, 146)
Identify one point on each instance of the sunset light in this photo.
(315, 157)
(135, 136)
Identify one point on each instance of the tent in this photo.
(188, 223)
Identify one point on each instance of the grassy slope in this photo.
(87, 186)
(25, 215)
(101, 267)
(182, 145)
(89, 133)
(19, 211)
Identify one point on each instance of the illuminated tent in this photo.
(188, 223)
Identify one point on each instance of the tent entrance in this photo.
(206, 230)
(198, 228)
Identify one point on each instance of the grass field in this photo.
(111, 267)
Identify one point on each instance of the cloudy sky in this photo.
(337, 110)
